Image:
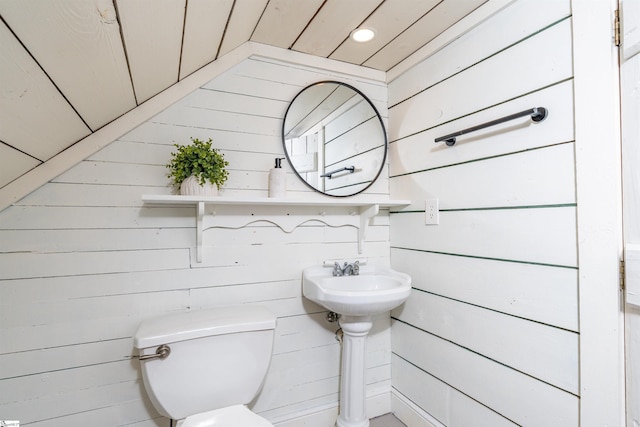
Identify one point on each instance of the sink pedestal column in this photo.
(353, 412)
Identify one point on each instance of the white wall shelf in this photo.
(364, 209)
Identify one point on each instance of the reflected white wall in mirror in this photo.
(334, 139)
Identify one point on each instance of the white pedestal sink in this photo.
(356, 298)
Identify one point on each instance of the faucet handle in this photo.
(337, 271)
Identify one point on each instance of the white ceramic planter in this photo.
(191, 187)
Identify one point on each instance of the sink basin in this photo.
(375, 290)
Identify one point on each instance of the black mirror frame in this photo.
(384, 135)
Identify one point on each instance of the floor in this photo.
(388, 420)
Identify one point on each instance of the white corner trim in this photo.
(599, 231)
(102, 137)
(461, 27)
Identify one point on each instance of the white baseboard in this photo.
(326, 416)
(410, 413)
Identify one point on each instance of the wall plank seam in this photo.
(449, 385)
(487, 258)
(481, 61)
(480, 159)
(500, 208)
(488, 309)
(483, 356)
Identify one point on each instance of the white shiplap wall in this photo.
(83, 261)
(490, 334)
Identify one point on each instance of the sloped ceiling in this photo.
(69, 67)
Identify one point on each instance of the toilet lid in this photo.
(231, 416)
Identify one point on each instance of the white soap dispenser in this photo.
(277, 180)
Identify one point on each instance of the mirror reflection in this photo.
(334, 139)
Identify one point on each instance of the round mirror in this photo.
(334, 139)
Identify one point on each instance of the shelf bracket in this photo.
(199, 231)
(366, 213)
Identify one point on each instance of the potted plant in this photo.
(197, 168)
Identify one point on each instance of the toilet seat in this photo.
(231, 416)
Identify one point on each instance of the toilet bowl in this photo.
(203, 367)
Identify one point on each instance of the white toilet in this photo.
(217, 362)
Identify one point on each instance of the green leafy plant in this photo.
(199, 159)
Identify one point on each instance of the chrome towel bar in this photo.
(537, 114)
(351, 169)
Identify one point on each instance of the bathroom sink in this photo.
(375, 290)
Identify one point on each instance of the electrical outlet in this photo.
(432, 212)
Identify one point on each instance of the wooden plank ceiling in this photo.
(69, 67)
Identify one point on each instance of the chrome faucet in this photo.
(352, 269)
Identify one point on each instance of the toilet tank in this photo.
(219, 357)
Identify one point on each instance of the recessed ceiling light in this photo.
(362, 34)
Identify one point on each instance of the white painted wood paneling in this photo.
(91, 376)
(518, 20)
(542, 294)
(54, 407)
(116, 173)
(65, 357)
(93, 51)
(34, 117)
(505, 181)
(94, 142)
(220, 100)
(494, 313)
(153, 50)
(242, 23)
(538, 62)
(421, 32)
(68, 217)
(283, 20)
(17, 164)
(83, 261)
(204, 26)
(419, 151)
(70, 287)
(272, 70)
(332, 25)
(236, 83)
(388, 21)
(18, 265)
(165, 133)
(540, 351)
(500, 388)
(89, 194)
(219, 120)
(535, 235)
(443, 402)
(78, 43)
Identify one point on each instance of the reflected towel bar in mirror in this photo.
(351, 169)
(537, 114)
